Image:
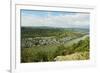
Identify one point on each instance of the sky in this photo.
(32, 18)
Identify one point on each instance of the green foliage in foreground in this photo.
(49, 53)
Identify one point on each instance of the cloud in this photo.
(57, 20)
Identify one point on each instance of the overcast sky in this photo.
(54, 19)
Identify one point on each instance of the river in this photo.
(75, 40)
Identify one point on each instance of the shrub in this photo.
(31, 55)
(26, 55)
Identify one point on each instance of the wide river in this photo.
(75, 40)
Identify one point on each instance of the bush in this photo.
(31, 55)
(40, 56)
(26, 55)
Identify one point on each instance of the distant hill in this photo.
(55, 28)
(51, 31)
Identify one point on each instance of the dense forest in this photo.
(43, 44)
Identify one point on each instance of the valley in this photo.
(41, 44)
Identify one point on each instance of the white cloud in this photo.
(77, 20)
